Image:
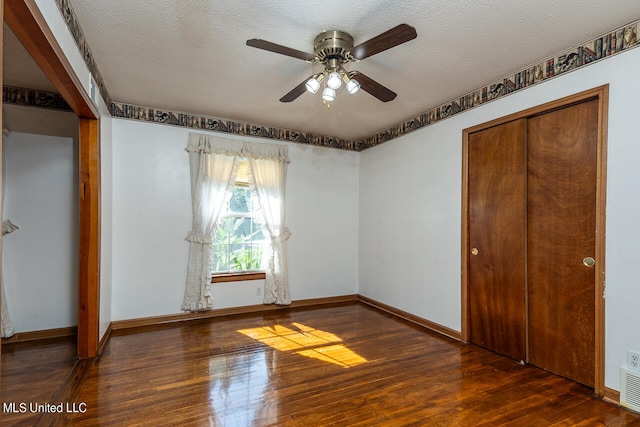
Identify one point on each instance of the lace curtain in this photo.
(214, 164)
(7, 227)
(268, 175)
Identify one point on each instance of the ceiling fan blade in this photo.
(391, 38)
(283, 50)
(296, 91)
(373, 87)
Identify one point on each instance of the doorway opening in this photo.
(29, 26)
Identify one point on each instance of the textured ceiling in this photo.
(19, 68)
(191, 55)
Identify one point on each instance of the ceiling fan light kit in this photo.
(313, 84)
(333, 49)
(334, 81)
(328, 94)
(351, 85)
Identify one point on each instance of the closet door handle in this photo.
(589, 262)
(474, 251)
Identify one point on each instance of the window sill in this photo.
(236, 277)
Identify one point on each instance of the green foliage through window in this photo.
(239, 242)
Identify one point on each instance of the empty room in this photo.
(338, 213)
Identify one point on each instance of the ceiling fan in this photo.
(335, 48)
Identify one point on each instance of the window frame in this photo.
(236, 276)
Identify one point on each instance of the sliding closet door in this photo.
(561, 185)
(496, 195)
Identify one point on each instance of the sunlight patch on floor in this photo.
(306, 341)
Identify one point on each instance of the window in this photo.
(212, 162)
(239, 240)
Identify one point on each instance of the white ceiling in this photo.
(191, 56)
(19, 68)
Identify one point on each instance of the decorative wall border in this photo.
(73, 24)
(34, 98)
(604, 46)
(217, 124)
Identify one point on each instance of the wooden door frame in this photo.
(30, 27)
(1, 212)
(601, 94)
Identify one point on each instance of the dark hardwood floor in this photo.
(346, 365)
(34, 372)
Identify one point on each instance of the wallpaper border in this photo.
(75, 29)
(217, 124)
(33, 98)
(601, 47)
(604, 46)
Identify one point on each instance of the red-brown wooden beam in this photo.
(89, 207)
(26, 21)
(1, 213)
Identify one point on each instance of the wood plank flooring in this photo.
(346, 365)
(34, 372)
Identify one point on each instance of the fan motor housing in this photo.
(332, 45)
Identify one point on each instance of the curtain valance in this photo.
(209, 144)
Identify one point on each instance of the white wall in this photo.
(106, 217)
(152, 214)
(41, 121)
(63, 37)
(410, 225)
(40, 261)
(410, 222)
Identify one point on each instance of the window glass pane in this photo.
(240, 244)
(243, 230)
(223, 231)
(244, 259)
(240, 201)
(221, 258)
(257, 230)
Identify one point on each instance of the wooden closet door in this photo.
(561, 184)
(496, 195)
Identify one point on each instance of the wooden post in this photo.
(89, 210)
(1, 213)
